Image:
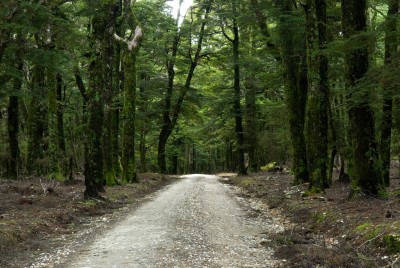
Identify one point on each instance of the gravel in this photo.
(195, 222)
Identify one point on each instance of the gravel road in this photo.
(195, 222)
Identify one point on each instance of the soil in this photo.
(329, 229)
(321, 230)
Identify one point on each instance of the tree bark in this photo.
(251, 125)
(391, 43)
(128, 160)
(36, 121)
(53, 138)
(109, 58)
(318, 99)
(128, 118)
(366, 171)
(143, 106)
(242, 170)
(295, 77)
(60, 114)
(13, 123)
(94, 176)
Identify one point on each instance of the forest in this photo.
(114, 88)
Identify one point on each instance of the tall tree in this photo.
(171, 112)
(13, 114)
(237, 109)
(110, 129)
(366, 173)
(292, 45)
(128, 160)
(60, 113)
(94, 176)
(36, 119)
(391, 57)
(318, 98)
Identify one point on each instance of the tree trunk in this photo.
(236, 102)
(251, 125)
(118, 88)
(128, 118)
(144, 124)
(170, 120)
(36, 122)
(109, 173)
(162, 143)
(237, 109)
(391, 44)
(318, 99)
(60, 114)
(94, 176)
(366, 172)
(53, 138)
(13, 123)
(334, 150)
(295, 77)
(128, 160)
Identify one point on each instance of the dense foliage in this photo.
(112, 88)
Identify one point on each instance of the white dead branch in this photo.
(49, 186)
(132, 43)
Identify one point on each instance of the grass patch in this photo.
(324, 216)
(392, 243)
(363, 226)
(88, 203)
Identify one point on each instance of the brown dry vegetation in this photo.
(329, 230)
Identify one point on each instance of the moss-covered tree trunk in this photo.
(109, 90)
(128, 161)
(318, 99)
(36, 121)
(391, 57)
(118, 88)
(60, 114)
(128, 119)
(143, 107)
(296, 85)
(53, 138)
(94, 176)
(366, 170)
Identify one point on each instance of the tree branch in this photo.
(132, 44)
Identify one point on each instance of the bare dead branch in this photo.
(135, 40)
(49, 186)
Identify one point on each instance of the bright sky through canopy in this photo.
(175, 5)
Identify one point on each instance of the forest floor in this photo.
(324, 230)
(35, 222)
(330, 229)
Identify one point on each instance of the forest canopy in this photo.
(111, 89)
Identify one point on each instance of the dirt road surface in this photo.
(195, 222)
